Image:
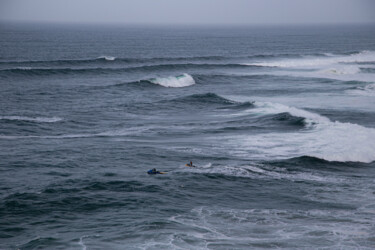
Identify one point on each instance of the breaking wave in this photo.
(364, 56)
(180, 81)
(107, 58)
(339, 67)
(324, 139)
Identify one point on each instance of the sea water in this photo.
(279, 121)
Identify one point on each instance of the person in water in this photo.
(190, 164)
(153, 171)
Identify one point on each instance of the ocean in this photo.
(278, 120)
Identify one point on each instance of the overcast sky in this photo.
(190, 11)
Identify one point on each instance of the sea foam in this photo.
(323, 138)
(368, 90)
(364, 56)
(339, 67)
(107, 58)
(180, 81)
(32, 119)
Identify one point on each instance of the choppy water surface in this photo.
(279, 121)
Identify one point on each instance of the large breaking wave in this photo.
(323, 138)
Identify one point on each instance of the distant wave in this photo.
(289, 58)
(364, 56)
(351, 67)
(45, 71)
(179, 81)
(31, 119)
(183, 80)
(107, 58)
(118, 60)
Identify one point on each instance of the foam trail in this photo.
(81, 243)
(332, 141)
(368, 90)
(180, 81)
(31, 119)
(261, 172)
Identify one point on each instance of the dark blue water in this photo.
(278, 120)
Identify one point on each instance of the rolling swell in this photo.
(118, 60)
(115, 60)
(207, 98)
(29, 71)
(311, 162)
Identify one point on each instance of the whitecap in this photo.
(107, 58)
(316, 62)
(344, 67)
(180, 81)
(32, 119)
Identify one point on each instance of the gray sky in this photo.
(190, 11)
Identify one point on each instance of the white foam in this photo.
(111, 133)
(344, 68)
(332, 141)
(289, 228)
(81, 243)
(258, 171)
(368, 90)
(31, 119)
(24, 68)
(313, 62)
(107, 58)
(183, 80)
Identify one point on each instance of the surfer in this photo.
(190, 164)
(154, 171)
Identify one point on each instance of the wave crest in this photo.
(107, 58)
(180, 81)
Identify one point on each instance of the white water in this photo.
(344, 68)
(368, 90)
(31, 119)
(259, 171)
(323, 138)
(107, 58)
(183, 80)
(268, 228)
(318, 62)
